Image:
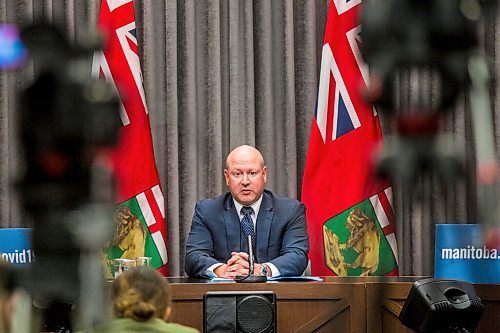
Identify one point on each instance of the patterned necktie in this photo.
(247, 223)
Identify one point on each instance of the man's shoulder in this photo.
(215, 203)
(278, 201)
(215, 200)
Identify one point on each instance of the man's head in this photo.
(246, 174)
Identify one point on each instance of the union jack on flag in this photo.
(140, 216)
(347, 204)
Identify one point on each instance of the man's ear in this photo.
(168, 312)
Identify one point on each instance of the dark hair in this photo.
(140, 293)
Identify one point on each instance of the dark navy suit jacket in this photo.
(281, 235)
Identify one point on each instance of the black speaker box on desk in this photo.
(239, 312)
(443, 306)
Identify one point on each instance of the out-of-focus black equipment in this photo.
(66, 118)
(438, 42)
(442, 306)
(437, 38)
(7, 277)
(436, 35)
(67, 123)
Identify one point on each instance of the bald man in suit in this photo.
(217, 244)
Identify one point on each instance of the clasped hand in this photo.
(236, 265)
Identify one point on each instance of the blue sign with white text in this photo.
(461, 254)
(15, 245)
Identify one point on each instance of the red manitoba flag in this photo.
(349, 210)
(140, 215)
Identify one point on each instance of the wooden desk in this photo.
(301, 306)
(338, 304)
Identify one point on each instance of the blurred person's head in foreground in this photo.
(141, 294)
(6, 295)
(141, 303)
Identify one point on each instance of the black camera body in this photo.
(66, 117)
(433, 35)
(66, 121)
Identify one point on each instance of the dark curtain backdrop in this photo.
(220, 73)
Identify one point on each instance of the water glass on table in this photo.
(143, 261)
(121, 264)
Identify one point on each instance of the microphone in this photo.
(251, 258)
(250, 278)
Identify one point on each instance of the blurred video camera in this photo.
(68, 123)
(436, 43)
(66, 118)
(434, 35)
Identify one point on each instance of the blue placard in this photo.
(461, 254)
(15, 245)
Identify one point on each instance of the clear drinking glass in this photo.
(143, 261)
(121, 264)
(128, 264)
(117, 267)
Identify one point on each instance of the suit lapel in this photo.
(232, 223)
(264, 223)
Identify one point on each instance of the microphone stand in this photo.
(250, 278)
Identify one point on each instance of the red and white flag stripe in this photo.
(382, 205)
(152, 208)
